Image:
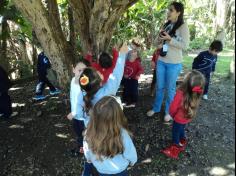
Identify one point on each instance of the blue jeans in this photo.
(88, 170)
(208, 80)
(167, 75)
(178, 132)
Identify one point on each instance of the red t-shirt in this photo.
(105, 72)
(177, 110)
(133, 69)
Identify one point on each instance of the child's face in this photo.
(134, 56)
(78, 70)
(214, 52)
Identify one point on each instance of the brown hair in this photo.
(91, 87)
(193, 79)
(104, 132)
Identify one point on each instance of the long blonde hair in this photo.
(193, 87)
(104, 132)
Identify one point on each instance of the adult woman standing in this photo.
(175, 38)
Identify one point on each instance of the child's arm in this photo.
(130, 152)
(176, 104)
(214, 64)
(89, 58)
(196, 61)
(113, 83)
(115, 57)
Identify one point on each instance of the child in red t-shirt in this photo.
(105, 64)
(133, 70)
(183, 109)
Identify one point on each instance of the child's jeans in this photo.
(130, 94)
(79, 127)
(5, 104)
(43, 80)
(178, 132)
(89, 169)
(208, 80)
(167, 75)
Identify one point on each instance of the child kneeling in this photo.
(108, 145)
(183, 109)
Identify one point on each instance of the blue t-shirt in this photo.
(118, 163)
(205, 62)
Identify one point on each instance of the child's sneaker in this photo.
(1, 115)
(168, 118)
(56, 92)
(150, 113)
(205, 97)
(39, 97)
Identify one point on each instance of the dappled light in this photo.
(16, 127)
(63, 136)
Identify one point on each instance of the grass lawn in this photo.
(223, 64)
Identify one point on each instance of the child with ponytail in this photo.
(183, 110)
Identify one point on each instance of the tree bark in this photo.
(3, 52)
(46, 25)
(222, 8)
(96, 21)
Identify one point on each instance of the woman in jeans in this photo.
(175, 38)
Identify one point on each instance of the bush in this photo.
(199, 43)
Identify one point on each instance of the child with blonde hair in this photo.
(108, 145)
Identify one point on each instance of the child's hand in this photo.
(153, 65)
(137, 77)
(124, 49)
(70, 117)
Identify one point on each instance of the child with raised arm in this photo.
(108, 145)
(205, 62)
(183, 110)
(105, 64)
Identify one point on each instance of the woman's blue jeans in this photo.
(167, 75)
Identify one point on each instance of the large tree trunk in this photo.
(46, 25)
(4, 62)
(222, 8)
(96, 20)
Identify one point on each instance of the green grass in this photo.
(223, 64)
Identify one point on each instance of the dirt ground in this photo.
(36, 142)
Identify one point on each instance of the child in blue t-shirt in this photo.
(108, 145)
(205, 62)
(75, 91)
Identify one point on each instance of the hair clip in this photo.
(198, 89)
(84, 80)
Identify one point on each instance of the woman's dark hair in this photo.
(90, 82)
(179, 7)
(217, 46)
